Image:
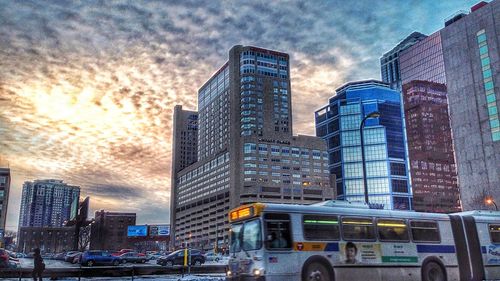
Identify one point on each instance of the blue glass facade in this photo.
(384, 143)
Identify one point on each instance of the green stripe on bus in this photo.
(399, 259)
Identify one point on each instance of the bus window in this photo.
(252, 236)
(425, 231)
(278, 231)
(495, 233)
(235, 238)
(321, 227)
(392, 230)
(358, 228)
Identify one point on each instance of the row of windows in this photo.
(327, 228)
(330, 228)
(214, 88)
(285, 151)
(205, 168)
(488, 85)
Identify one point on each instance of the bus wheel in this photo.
(433, 272)
(316, 271)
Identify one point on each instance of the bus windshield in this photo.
(247, 235)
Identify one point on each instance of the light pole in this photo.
(490, 201)
(374, 114)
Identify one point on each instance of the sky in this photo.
(87, 88)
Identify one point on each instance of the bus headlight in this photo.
(229, 273)
(258, 272)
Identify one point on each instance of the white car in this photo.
(213, 257)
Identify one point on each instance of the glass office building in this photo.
(384, 143)
(47, 203)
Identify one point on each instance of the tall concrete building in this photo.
(471, 45)
(48, 203)
(4, 198)
(384, 144)
(246, 149)
(185, 138)
(109, 231)
(430, 144)
(389, 62)
(184, 147)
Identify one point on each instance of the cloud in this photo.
(87, 88)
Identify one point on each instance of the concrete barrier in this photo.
(111, 271)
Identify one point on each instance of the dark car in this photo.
(177, 258)
(60, 256)
(70, 256)
(133, 257)
(91, 258)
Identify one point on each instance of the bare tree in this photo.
(84, 238)
(477, 201)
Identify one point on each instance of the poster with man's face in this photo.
(359, 253)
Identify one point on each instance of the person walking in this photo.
(38, 266)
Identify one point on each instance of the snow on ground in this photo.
(139, 278)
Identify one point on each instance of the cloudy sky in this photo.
(87, 88)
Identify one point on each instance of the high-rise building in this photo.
(48, 203)
(384, 143)
(185, 138)
(184, 147)
(430, 147)
(4, 198)
(430, 144)
(246, 149)
(389, 62)
(472, 62)
(109, 230)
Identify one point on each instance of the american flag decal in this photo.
(273, 259)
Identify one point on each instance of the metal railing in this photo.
(112, 271)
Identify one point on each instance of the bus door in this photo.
(278, 237)
(468, 249)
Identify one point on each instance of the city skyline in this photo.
(89, 90)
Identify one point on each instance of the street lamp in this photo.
(490, 201)
(374, 114)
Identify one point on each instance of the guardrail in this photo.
(111, 271)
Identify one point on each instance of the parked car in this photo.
(122, 251)
(91, 258)
(14, 262)
(133, 257)
(70, 256)
(153, 256)
(213, 257)
(177, 258)
(4, 259)
(60, 256)
(77, 257)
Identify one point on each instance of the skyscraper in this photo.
(472, 62)
(430, 144)
(430, 147)
(389, 62)
(48, 203)
(384, 142)
(246, 150)
(185, 138)
(184, 148)
(4, 198)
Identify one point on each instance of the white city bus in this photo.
(337, 240)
